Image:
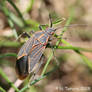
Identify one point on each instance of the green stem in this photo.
(11, 15)
(2, 90)
(48, 61)
(35, 81)
(13, 28)
(74, 48)
(18, 12)
(6, 43)
(85, 59)
(65, 42)
(57, 43)
(31, 2)
(67, 23)
(9, 82)
(8, 54)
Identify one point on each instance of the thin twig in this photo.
(57, 43)
(85, 59)
(9, 82)
(8, 54)
(17, 84)
(31, 2)
(17, 10)
(13, 28)
(11, 15)
(35, 81)
(2, 90)
(74, 48)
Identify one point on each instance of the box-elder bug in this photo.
(31, 52)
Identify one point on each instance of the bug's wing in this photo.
(35, 55)
(22, 67)
(26, 47)
(29, 44)
(78, 35)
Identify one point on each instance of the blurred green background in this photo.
(75, 69)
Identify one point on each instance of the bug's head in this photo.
(50, 31)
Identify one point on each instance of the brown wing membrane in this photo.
(26, 48)
(28, 45)
(22, 67)
(35, 55)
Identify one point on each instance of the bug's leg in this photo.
(60, 37)
(50, 43)
(51, 38)
(52, 47)
(23, 34)
(57, 62)
(32, 32)
(40, 26)
(50, 20)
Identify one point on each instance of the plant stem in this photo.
(31, 2)
(35, 81)
(13, 28)
(18, 12)
(57, 43)
(8, 54)
(48, 61)
(11, 15)
(85, 59)
(74, 48)
(2, 90)
(6, 43)
(9, 82)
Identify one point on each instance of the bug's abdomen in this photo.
(22, 67)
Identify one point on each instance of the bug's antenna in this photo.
(50, 20)
(72, 25)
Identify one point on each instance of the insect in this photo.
(31, 52)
